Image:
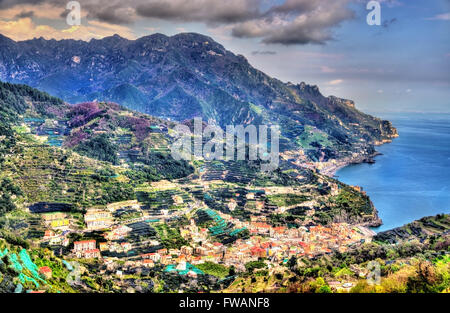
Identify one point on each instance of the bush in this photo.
(251, 266)
(100, 148)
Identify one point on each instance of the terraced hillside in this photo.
(425, 228)
(97, 153)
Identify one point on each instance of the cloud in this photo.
(25, 28)
(209, 11)
(114, 14)
(288, 23)
(440, 17)
(25, 14)
(110, 11)
(327, 69)
(37, 10)
(294, 6)
(291, 22)
(266, 52)
(297, 22)
(388, 3)
(335, 82)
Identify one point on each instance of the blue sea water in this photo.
(412, 177)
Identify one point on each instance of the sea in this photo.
(411, 179)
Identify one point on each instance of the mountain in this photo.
(190, 75)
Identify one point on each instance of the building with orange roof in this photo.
(46, 272)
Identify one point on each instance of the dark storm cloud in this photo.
(114, 15)
(209, 11)
(25, 14)
(5, 4)
(301, 22)
(290, 22)
(294, 6)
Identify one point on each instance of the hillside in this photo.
(190, 75)
(93, 153)
(437, 226)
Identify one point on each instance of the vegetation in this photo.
(214, 269)
(8, 191)
(158, 166)
(253, 265)
(285, 200)
(170, 237)
(9, 274)
(349, 204)
(100, 148)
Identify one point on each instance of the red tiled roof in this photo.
(92, 251)
(82, 242)
(45, 269)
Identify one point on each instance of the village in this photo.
(132, 242)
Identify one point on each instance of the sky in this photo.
(402, 65)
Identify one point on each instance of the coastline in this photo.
(330, 170)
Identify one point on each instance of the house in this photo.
(86, 249)
(258, 252)
(126, 246)
(103, 246)
(187, 250)
(57, 220)
(119, 232)
(162, 251)
(46, 272)
(91, 254)
(155, 257)
(56, 240)
(200, 251)
(48, 217)
(148, 263)
(98, 219)
(49, 234)
(65, 242)
(166, 259)
(84, 245)
(63, 223)
(232, 204)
